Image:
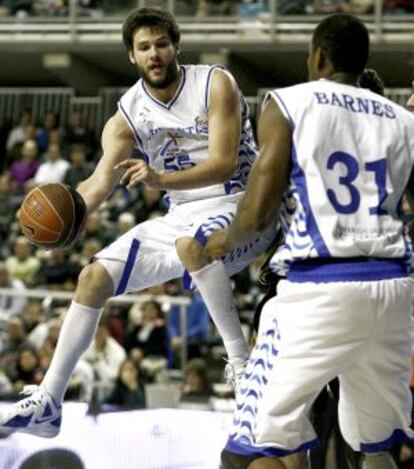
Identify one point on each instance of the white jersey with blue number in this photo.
(353, 152)
(174, 136)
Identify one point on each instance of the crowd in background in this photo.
(200, 8)
(135, 344)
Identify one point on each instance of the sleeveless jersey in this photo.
(352, 155)
(174, 136)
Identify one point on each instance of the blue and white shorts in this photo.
(146, 255)
(312, 332)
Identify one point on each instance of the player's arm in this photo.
(266, 185)
(224, 122)
(117, 145)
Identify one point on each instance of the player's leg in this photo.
(133, 262)
(40, 413)
(213, 278)
(214, 285)
(375, 400)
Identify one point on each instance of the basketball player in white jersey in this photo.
(190, 127)
(335, 161)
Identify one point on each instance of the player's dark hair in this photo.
(370, 80)
(149, 17)
(345, 41)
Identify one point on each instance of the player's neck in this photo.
(165, 95)
(345, 78)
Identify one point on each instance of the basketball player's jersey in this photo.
(352, 155)
(174, 136)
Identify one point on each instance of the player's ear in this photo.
(131, 57)
(320, 58)
(177, 50)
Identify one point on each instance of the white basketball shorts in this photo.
(312, 332)
(146, 255)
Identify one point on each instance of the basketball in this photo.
(52, 215)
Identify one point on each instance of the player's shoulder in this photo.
(131, 93)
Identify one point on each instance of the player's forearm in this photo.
(94, 192)
(249, 222)
(204, 174)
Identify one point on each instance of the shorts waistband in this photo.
(336, 269)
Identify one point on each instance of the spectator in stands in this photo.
(198, 328)
(129, 388)
(10, 305)
(35, 328)
(50, 124)
(23, 265)
(291, 7)
(126, 221)
(54, 168)
(6, 387)
(8, 205)
(57, 271)
(15, 339)
(79, 134)
(18, 134)
(358, 7)
(89, 248)
(196, 380)
(120, 200)
(79, 169)
(149, 338)
(27, 369)
(97, 227)
(24, 169)
(149, 201)
(216, 7)
(399, 6)
(105, 355)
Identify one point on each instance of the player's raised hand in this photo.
(137, 171)
(217, 244)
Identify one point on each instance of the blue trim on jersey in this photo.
(398, 436)
(130, 123)
(246, 449)
(207, 94)
(355, 269)
(174, 98)
(132, 255)
(298, 176)
(187, 281)
(292, 123)
(299, 179)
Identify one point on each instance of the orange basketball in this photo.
(52, 215)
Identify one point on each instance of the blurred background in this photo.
(62, 69)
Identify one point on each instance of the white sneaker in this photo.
(38, 414)
(234, 371)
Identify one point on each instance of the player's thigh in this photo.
(375, 399)
(218, 214)
(144, 256)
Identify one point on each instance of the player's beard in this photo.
(171, 74)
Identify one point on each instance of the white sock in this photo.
(77, 333)
(378, 461)
(214, 286)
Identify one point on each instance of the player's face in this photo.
(155, 56)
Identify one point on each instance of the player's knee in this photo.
(188, 249)
(94, 286)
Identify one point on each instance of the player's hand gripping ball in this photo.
(52, 215)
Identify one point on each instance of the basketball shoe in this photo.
(38, 414)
